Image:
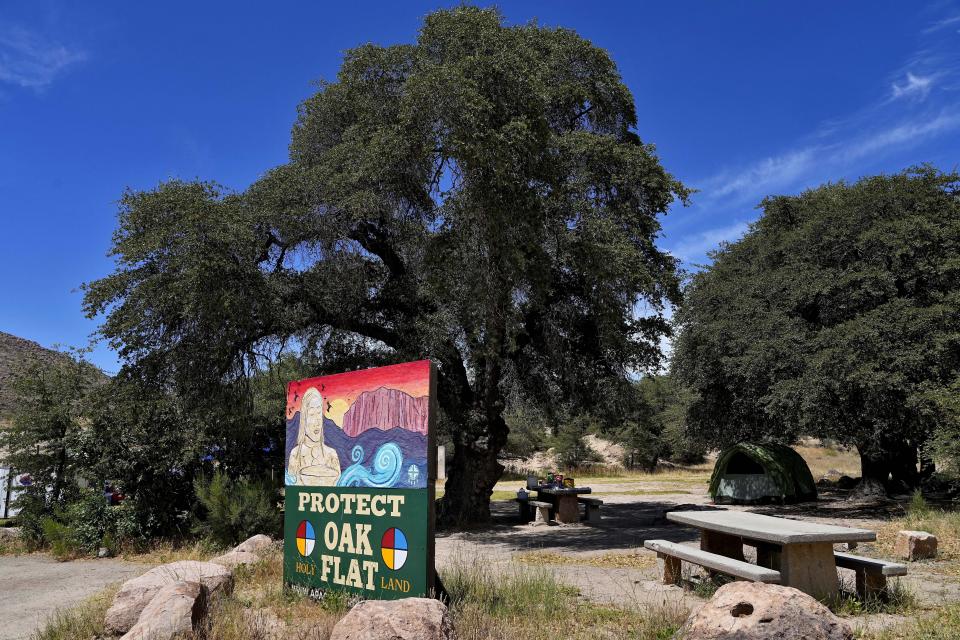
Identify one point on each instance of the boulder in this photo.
(234, 559)
(915, 545)
(757, 611)
(176, 609)
(407, 619)
(137, 592)
(9, 533)
(256, 544)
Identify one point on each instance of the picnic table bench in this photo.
(591, 508)
(535, 510)
(802, 552)
(871, 573)
(672, 553)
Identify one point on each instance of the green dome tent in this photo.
(750, 472)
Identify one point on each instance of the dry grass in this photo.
(526, 603)
(81, 622)
(12, 547)
(611, 560)
(822, 460)
(940, 522)
(941, 624)
(163, 552)
(530, 604)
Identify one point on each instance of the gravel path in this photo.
(33, 586)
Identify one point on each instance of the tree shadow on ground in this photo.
(624, 526)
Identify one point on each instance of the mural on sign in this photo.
(367, 429)
(359, 468)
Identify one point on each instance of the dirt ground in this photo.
(32, 586)
(588, 557)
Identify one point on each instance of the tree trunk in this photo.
(470, 479)
(874, 474)
(887, 466)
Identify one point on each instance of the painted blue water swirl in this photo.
(387, 465)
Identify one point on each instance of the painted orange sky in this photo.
(341, 389)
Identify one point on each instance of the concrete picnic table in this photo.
(801, 551)
(564, 501)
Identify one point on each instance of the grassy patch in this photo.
(942, 624)
(940, 522)
(12, 546)
(530, 604)
(900, 600)
(527, 603)
(607, 560)
(81, 622)
(163, 552)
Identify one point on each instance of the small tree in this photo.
(48, 427)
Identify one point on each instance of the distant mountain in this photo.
(16, 354)
(384, 409)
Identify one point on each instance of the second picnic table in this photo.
(801, 551)
(564, 501)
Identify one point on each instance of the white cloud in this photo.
(943, 24)
(696, 247)
(915, 87)
(31, 61)
(769, 172)
(905, 133)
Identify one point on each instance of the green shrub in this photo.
(233, 510)
(918, 506)
(62, 539)
(33, 510)
(98, 525)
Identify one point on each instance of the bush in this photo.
(62, 539)
(233, 510)
(33, 510)
(96, 524)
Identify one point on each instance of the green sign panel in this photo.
(360, 469)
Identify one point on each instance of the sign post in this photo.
(360, 467)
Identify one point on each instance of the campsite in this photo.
(443, 321)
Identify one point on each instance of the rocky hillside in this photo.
(15, 354)
(385, 409)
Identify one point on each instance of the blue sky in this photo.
(742, 99)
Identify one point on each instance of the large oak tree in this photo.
(837, 315)
(480, 197)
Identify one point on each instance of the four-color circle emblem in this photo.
(393, 544)
(306, 538)
(393, 548)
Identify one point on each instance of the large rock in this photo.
(915, 545)
(137, 592)
(234, 559)
(256, 544)
(756, 611)
(407, 619)
(386, 409)
(175, 610)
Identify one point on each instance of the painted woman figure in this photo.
(312, 463)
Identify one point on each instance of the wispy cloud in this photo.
(814, 162)
(945, 23)
(699, 244)
(914, 87)
(32, 61)
(909, 132)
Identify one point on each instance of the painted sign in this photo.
(360, 467)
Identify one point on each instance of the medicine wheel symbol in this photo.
(306, 538)
(393, 548)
